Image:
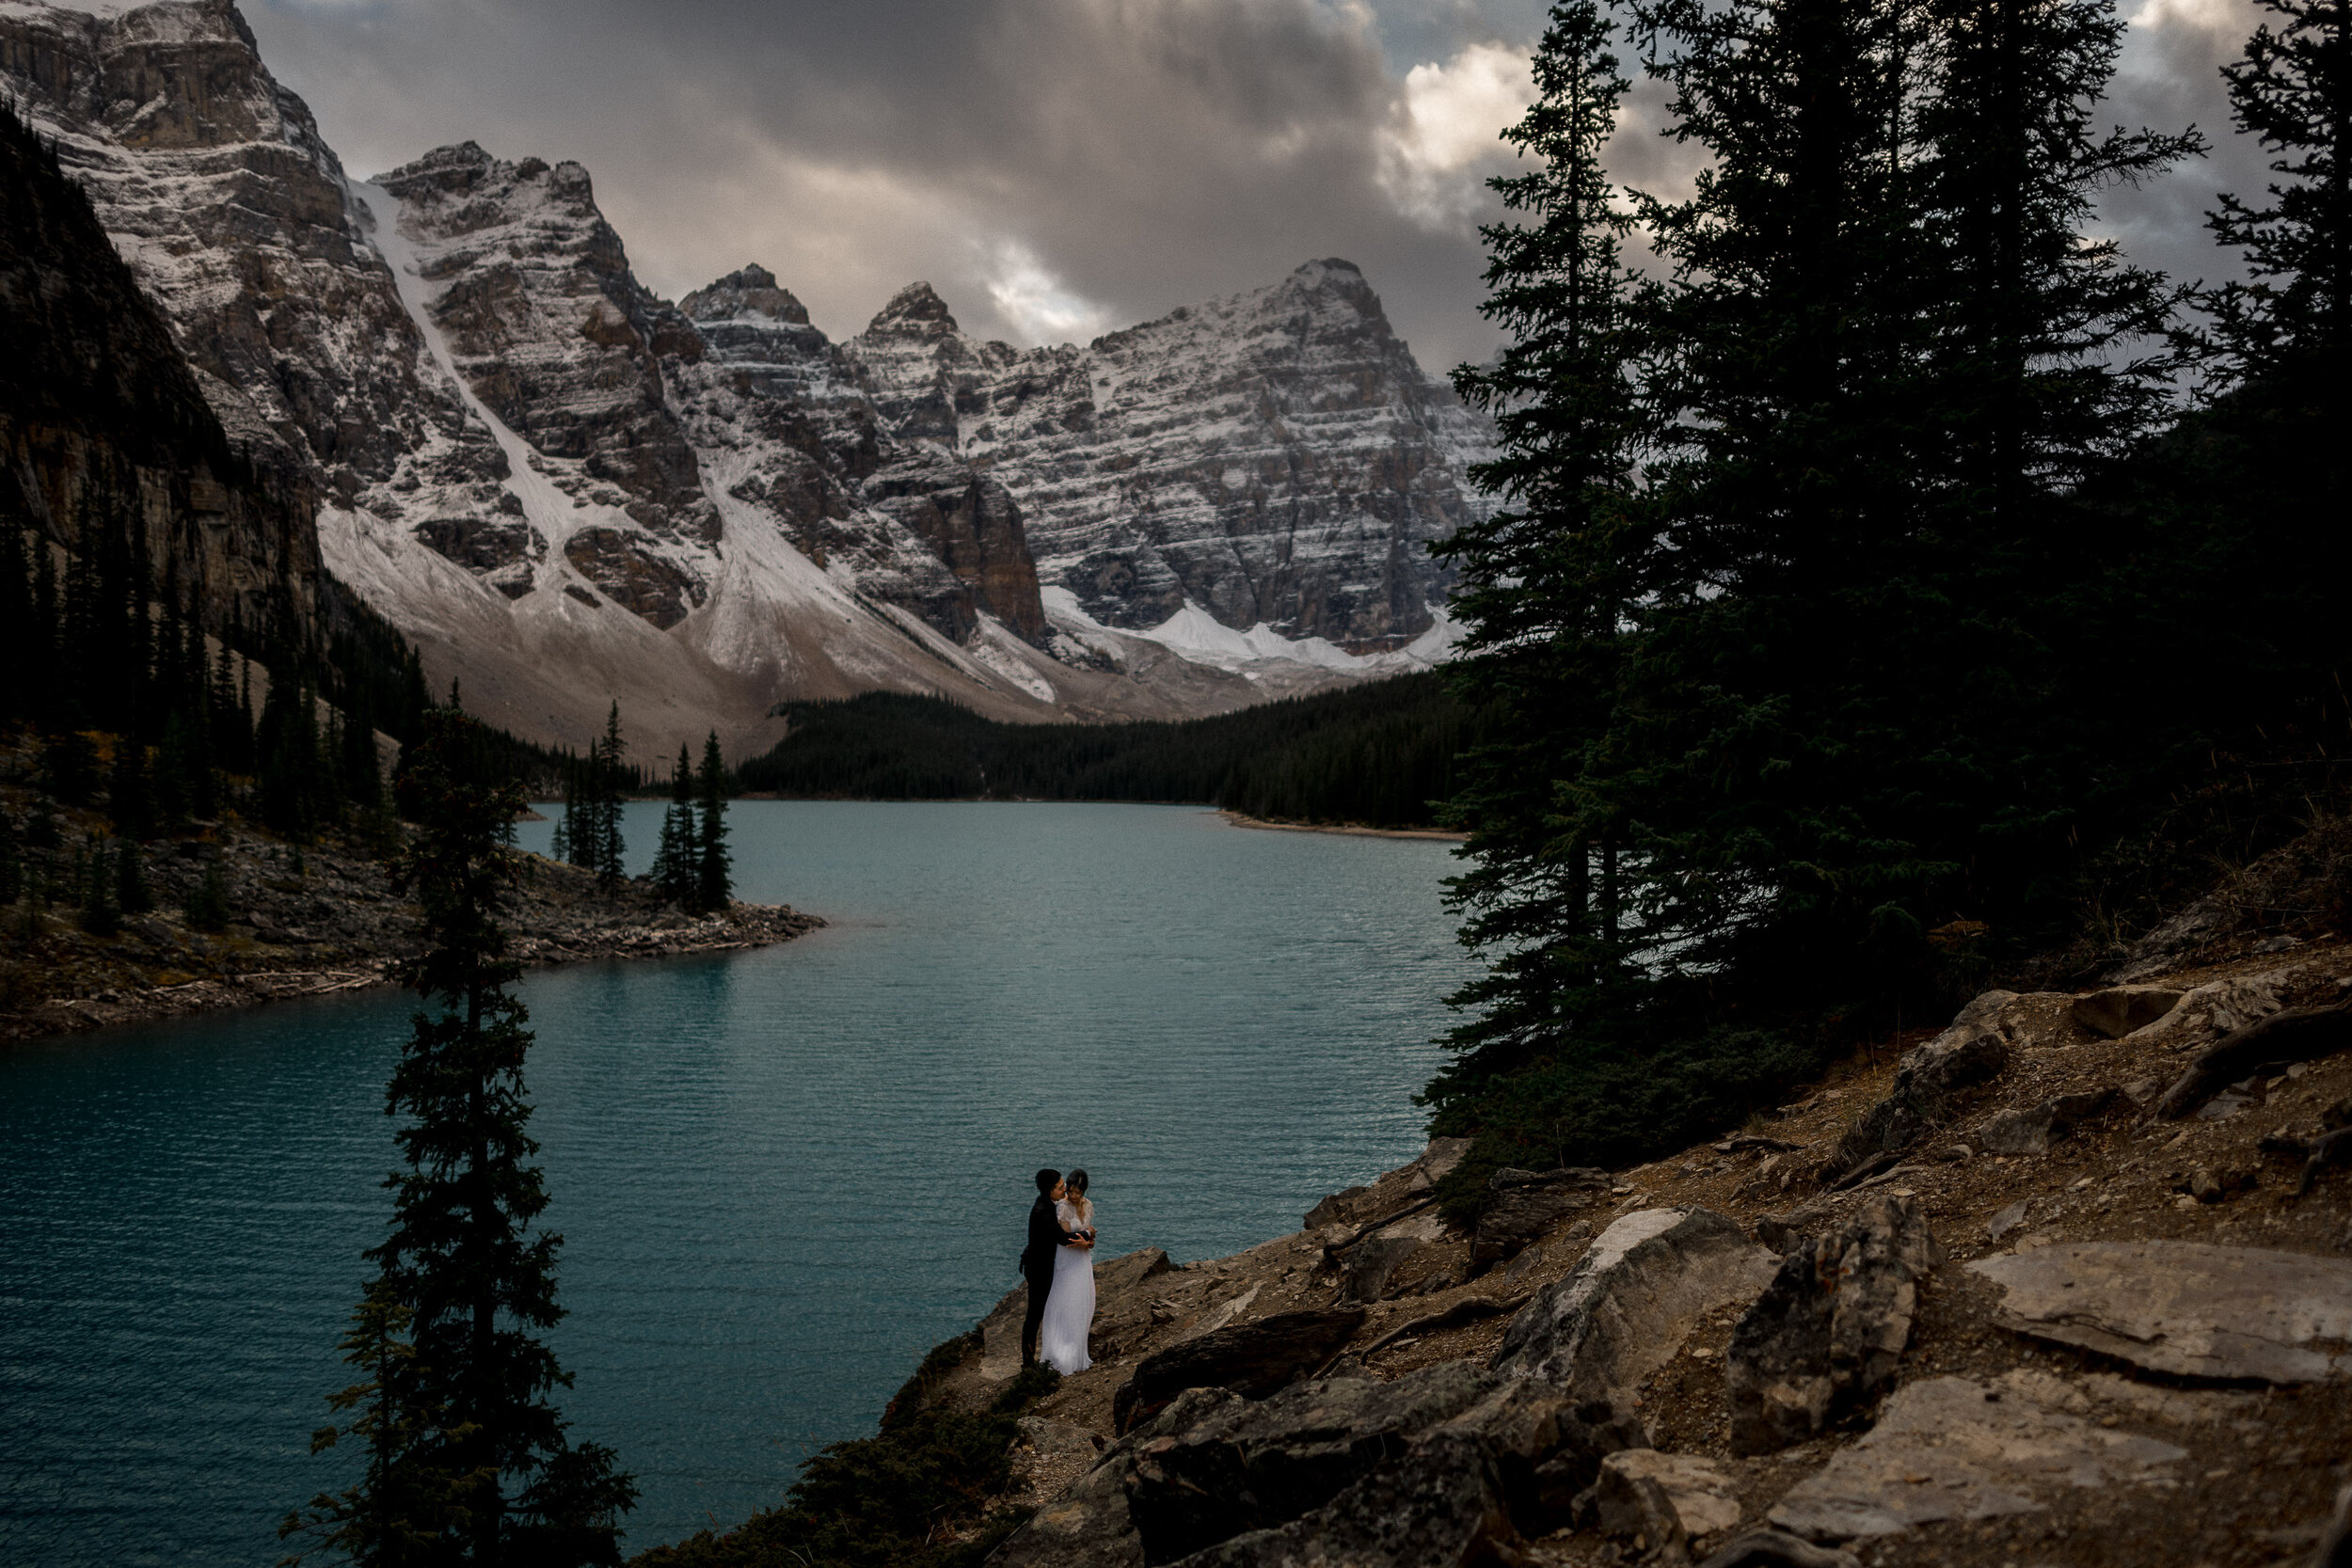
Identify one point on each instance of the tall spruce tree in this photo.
(17, 628)
(607, 775)
(408, 1508)
(1877, 356)
(2290, 325)
(467, 1390)
(714, 879)
(1545, 579)
(676, 861)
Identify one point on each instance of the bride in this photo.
(1070, 1307)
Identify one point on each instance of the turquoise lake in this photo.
(780, 1176)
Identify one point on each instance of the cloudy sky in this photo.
(1055, 167)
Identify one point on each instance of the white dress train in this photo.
(1069, 1308)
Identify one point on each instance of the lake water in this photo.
(780, 1176)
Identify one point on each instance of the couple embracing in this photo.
(1059, 1264)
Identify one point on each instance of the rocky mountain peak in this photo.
(915, 311)
(748, 291)
(1341, 279)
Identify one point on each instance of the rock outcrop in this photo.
(1675, 1393)
(1826, 1333)
(1632, 1301)
(1253, 1358)
(102, 417)
(1525, 1203)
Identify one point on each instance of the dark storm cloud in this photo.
(1055, 167)
(1043, 162)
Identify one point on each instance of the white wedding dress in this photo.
(1061, 1339)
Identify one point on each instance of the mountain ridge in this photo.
(567, 490)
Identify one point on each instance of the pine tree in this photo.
(69, 762)
(18, 627)
(2291, 325)
(40, 670)
(1544, 579)
(129, 800)
(606, 776)
(714, 880)
(207, 907)
(11, 868)
(407, 1508)
(471, 1394)
(560, 840)
(100, 916)
(231, 715)
(1800, 685)
(130, 872)
(677, 863)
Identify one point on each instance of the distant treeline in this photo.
(1381, 754)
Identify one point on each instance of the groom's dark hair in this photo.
(1045, 1179)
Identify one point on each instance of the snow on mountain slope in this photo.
(1273, 459)
(569, 491)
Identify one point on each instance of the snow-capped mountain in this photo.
(567, 490)
(1275, 461)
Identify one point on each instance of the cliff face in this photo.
(213, 182)
(913, 526)
(1274, 458)
(101, 416)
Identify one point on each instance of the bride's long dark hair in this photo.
(1077, 1182)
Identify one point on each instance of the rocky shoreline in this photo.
(312, 921)
(1353, 830)
(2070, 1279)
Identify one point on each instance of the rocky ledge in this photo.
(306, 920)
(2066, 1281)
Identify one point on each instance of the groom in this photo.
(1037, 1259)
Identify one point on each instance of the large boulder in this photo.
(2182, 1309)
(1668, 1500)
(1631, 1302)
(1439, 1504)
(1247, 1465)
(2031, 1129)
(1521, 1204)
(1252, 1359)
(1827, 1333)
(1928, 1082)
(1951, 1449)
(2208, 1012)
(1370, 1264)
(2118, 1010)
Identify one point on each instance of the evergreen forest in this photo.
(1381, 754)
(1895, 589)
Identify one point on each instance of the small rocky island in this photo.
(304, 920)
(2065, 1281)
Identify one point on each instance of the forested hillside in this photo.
(1380, 756)
(1871, 616)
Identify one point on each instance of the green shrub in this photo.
(1618, 1108)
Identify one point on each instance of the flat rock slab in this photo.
(1953, 1449)
(2186, 1309)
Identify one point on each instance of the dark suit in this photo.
(1046, 1236)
